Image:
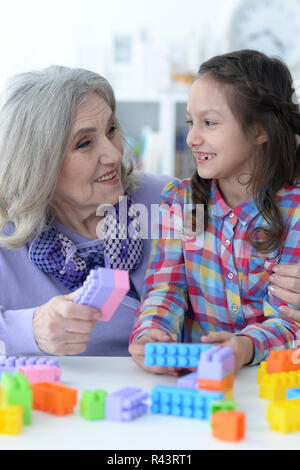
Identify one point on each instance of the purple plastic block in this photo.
(104, 289)
(216, 363)
(96, 288)
(15, 362)
(126, 404)
(188, 381)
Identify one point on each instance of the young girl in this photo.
(244, 125)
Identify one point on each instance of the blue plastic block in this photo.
(185, 402)
(97, 288)
(292, 393)
(216, 363)
(174, 354)
(126, 404)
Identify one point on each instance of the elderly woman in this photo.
(61, 157)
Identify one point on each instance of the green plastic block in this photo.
(92, 404)
(17, 391)
(222, 406)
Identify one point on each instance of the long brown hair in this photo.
(259, 90)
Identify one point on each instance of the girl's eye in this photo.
(210, 123)
(190, 123)
(83, 144)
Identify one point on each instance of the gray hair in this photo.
(35, 123)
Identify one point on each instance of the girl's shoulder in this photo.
(177, 191)
(288, 198)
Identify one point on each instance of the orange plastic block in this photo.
(283, 360)
(220, 385)
(54, 398)
(228, 425)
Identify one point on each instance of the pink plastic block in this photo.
(41, 373)
(104, 289)
(188, 380)
(121, 288)
(216, 363)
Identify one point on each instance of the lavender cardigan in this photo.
(24, 287)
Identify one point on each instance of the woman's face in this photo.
(91, 169)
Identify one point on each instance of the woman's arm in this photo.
(285, 284)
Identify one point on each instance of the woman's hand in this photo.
(63, 327)
(137, 351)
(242, 346)
(285, 284)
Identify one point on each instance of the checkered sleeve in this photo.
(278, 332)
(165, 297)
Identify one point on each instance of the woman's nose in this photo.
(109, 154)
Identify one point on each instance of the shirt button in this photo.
(227, 243)
(231, 215)
(235, 308)
(230, 276)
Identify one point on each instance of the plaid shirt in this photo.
(218, 281)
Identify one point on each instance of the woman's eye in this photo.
(210, 123)
(83, 144)
(111, 131)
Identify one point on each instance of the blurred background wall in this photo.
(150, 52)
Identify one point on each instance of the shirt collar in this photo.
(218, 208)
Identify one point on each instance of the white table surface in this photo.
(151, 431)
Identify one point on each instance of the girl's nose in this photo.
(194, 137)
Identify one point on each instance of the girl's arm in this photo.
(165, 295)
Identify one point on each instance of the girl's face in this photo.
(91, 169)
(221, 149)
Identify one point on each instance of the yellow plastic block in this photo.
(284, 416)
(11, 419)
(229, 395)
(261, 371)
(273, 387)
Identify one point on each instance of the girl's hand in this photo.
(285, 284)
(137, 351)
(242, 346)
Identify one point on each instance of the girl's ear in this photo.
(260, 136)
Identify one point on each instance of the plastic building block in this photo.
(42, 373)
(292, 393)
(229, 395)
(216, 363)
(222, 406)
(273, 387)
(283, 360)
(11, 364)
(221, 385)
(284, 416)
(16, 391)
(104, 289)
(183, 401)
(228, 425)
(11, 419)
(92, 404)
(174, 354)
(126, 404)
(54, 398)
(262, 371)
(188, 380)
